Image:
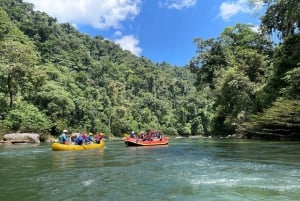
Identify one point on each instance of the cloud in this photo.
(130, 43)
(177, 4)
(118, 33)
(229, 9)
(100, 14)
(256, 28)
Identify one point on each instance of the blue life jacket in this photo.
(79, 139)
(87, 138)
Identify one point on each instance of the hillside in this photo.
(56, 77)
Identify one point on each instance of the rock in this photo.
(51, 140)
(31, 138)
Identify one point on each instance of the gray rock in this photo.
(31, 138)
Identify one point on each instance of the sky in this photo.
(160, 30)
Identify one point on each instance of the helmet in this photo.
(65, 131)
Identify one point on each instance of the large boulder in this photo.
(31, 138)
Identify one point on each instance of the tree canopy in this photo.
(250, 76)
(53, 77)
(83, 83)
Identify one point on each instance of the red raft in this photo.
(129, 141)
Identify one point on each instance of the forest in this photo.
(53, 77)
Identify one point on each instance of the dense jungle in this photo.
(244, 82)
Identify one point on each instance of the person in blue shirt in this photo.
(63, 138)
(79, 139)
(87, 139)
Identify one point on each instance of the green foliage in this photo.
(65, 79)
(281, 120)
(286, 58)
(235, 77)
(86, 83)
(170, 131)
(250, 76)
(282, 16)
(17, 62)
(292, 79)
(26, 117)
(53, 98)
(234, 95)
(210, 59)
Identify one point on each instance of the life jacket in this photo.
(62, 138)
(98, 138)
(79, 139)
(87, 139)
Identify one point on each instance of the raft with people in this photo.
(74, 147)
(77, 142)
(149, 139)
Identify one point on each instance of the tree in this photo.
(209, 60)
(17, 59)
(56, 102)
(89, 83)
(26, 117)
(292, 79)
(234, 66)
(282, 16)
(234, 94)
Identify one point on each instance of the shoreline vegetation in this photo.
(26, 138)
(240, 83)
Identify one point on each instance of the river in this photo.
(184, 170)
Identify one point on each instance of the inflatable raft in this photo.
(140, 142)
(72, 147)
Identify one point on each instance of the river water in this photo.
(184, 170)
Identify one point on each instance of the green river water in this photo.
(186, 169)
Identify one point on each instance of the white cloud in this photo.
(130, 43)
(256, 28)
(100, 14)
(229, 9)
(118, 33)
(177, 4)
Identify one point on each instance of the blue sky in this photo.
(161, 30)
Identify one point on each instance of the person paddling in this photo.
(79, 139)
(63, 139)
(99, 138)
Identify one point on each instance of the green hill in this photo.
(54, 77)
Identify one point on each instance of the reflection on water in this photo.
(186, 169)
(77, 159)
(146, 147)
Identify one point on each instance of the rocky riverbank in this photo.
(21, 138)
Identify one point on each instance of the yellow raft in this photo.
(72, 147)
